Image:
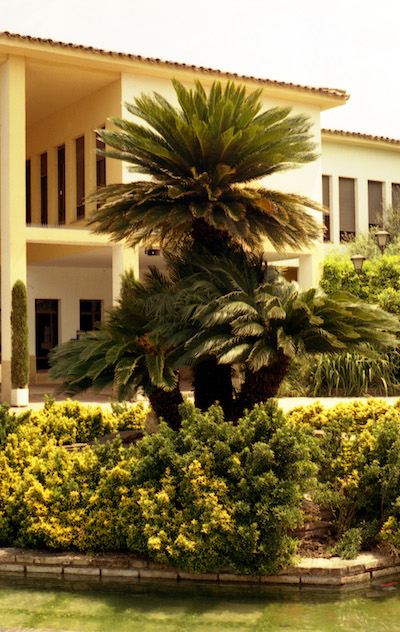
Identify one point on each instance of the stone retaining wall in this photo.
(308, 572)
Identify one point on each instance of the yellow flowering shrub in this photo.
(359, 471)
(70, 422)
(349, 415)
(194, 534)
(209, 496)
(314, 415)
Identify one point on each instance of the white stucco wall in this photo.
(362, 162)
(68, 286)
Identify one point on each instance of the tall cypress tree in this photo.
(19, 336)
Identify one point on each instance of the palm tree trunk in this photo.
(213, 383)
(165, 404)
(206, 236)
(261, 385)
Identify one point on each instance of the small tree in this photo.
(19, 336)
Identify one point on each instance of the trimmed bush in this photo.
(209, 496)
(19, 336)
(378, 283)
(348, 416)
(359, 469)
(349, 545)
(70, 422)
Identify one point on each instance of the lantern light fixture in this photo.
(358, 262)
(382, 238)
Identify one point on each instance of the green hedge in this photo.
(70, 422)
(378, 283)
(358, 458)
(209, 496)
(212, 495)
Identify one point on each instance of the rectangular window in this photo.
(375, 199)
(395, 195)
(61, 184)
(90, 314)
(347, 208)
(326, 201)
(43, 188)
(80, 177)
(46, 316)
(28, 200)
(100, 163)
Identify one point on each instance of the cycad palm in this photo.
(263, 326)
(124, 352)
(198, 160)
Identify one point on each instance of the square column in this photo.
(12, 197)
(310, 268)
(123, 258)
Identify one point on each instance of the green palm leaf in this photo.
(201, 153)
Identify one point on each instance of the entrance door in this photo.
(46, 311)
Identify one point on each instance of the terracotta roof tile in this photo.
(339, 132)
(332, 92)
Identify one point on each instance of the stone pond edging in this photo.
(366, 568)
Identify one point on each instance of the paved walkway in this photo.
(28, 630)
(288, 403)
(94, 398)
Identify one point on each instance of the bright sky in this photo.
(348, 44)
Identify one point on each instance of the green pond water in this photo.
(40, 604)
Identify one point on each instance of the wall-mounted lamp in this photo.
(152, 252)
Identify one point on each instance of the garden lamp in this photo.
(382, 237)
(358, 260)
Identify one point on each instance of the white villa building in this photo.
(360, 178)
(52, 97)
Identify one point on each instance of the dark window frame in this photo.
(375, 209)
(90, 311)
(347, 201)
(395, 195)
(80, 176)
(101, 174)
(28, 193)
(47, 316)
(44, 211)
(61, 183)
(326, 201)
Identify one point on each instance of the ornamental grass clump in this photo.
(210, 496)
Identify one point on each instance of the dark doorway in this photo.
(46, 311)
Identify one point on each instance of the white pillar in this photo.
(123, 258)
(12, 196)
(310, 268)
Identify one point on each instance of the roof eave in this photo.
(66, 53)
(360, 140)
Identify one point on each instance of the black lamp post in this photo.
(358, 261)
(382, 237)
